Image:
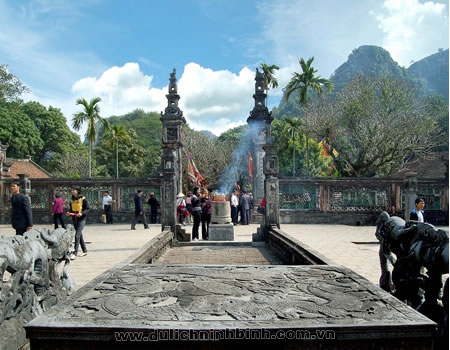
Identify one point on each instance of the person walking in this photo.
(154, 205)
(21, 214)
(181, 208)
(78, 210)
(138, 211)
(196, 212)
(107, 207)
(57, 211)
(206, 214)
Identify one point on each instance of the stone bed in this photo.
(218, 306)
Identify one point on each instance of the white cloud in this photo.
(215, 100)
(210, 100)
(122, 90)
(413, 30)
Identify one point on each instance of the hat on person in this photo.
(179, 195)
(152, 193)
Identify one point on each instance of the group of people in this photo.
(197, 206)
(139, 212)
(241, 207)
(22, 216)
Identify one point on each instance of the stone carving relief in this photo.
(32, 277)
(172, 295)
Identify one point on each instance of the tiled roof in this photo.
(24, 166)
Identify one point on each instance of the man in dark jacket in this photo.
(154, 205)
(21, 215)
(138, 211)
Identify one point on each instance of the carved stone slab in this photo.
(326, 303)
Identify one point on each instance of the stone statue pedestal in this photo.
(221, 232)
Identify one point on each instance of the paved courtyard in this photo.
(352, 246)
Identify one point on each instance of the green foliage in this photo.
(374, 126)
(18, 131)
(10, 86)
(91, 116)
(146, 134)
(305, 81)
(52, 126)
(129, 157)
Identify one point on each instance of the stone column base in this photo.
(221, 232)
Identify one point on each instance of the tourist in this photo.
(154, 205)
(417, 213)
(181, 208)
(234, 202)
(245, 205)
(107, 207)
(78, 210)
(189, 207)
(138, 211)
(21, 215)
(206, 214)
(57, 211)
(196, 212)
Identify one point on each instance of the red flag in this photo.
(250, 167)
(192, 173)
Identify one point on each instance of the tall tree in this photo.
(302, 83)
(91, 115)
(375, 125)
(269, 76)
(54, 131)
(293, 130)
(18, 131)
(10, 86)
(117, 136)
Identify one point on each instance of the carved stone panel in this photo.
(262, 300)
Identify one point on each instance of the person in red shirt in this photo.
(57, 211)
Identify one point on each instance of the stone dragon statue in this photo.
(32, 277)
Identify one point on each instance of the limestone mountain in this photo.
(372, 61)
(430, 75)
(432, 71)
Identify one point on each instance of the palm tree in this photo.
(304, 82)
(269, 78)
(293, 130)
(91, 116)
(118, 135)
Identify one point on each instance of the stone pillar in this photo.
(259, 122)
(271, 216)
(410, 193)
(26, 184)
(271, 187)
(172, 120)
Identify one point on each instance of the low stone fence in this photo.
(349, 201)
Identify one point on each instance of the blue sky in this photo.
(124, 51)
